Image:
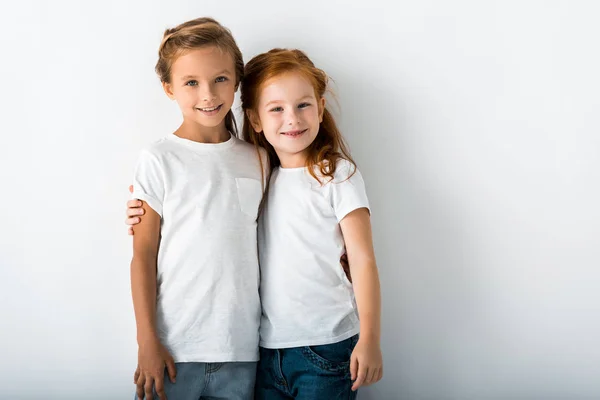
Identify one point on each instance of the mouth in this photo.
(294, 134)
(210, 110)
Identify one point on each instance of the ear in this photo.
(168, 90)
(321, 108)
(254, 121)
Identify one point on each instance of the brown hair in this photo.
(329, 146)
(194, 34)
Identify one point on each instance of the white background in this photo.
(475, 124)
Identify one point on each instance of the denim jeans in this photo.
(196, 380)
(306, 373)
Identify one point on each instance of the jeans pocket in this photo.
(249, 196)
(332, 357)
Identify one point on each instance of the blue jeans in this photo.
(306, 373)
(196, 380)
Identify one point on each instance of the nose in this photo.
(207, 93)
(293, 117)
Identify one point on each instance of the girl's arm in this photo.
(143, 274)
(366, 362)
(152, 356)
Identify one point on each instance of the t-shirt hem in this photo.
(231, 357)
(310, 342)
(347, 210)
(151, 201)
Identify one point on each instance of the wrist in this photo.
(369, 337)
(371, 341)
(147, 339)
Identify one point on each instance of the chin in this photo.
(210, 123)
(295, 151)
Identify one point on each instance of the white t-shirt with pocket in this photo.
(306, 297)
(207, 195)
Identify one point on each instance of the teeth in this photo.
(210, 109)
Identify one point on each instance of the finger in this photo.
(130, 188)
(159, 386)
(134, 211)
(133, 203)
(360, 380)
(148, 388)
(139, 390)
(130, 231)
(132, 221)
(171, 369)
(371, 377)
(353, 367)
(136, 375)
(379, 374)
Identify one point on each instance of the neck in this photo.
(297, 160)
(202, 134)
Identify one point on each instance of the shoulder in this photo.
(242, 145)
(157, 148)
(344, 170)
(155, 155)
(248, 150)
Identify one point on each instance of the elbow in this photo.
(362, 264)
(143, 262)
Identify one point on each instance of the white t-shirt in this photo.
(306, 297)
(208, 306)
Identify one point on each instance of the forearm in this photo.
(143, 290)
(365, 280)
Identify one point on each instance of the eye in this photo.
(221, 79)
(303, 105)
(192, 83)
(277, 109)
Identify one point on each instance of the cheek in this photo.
(186, 98)
(227, 91)
(316, 117)
(311, 115)
(270, 125)
(272, 121)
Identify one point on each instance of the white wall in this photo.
(475, 125)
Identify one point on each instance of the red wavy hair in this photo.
(329, 146)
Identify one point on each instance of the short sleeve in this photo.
(148, 181)
(347, 193)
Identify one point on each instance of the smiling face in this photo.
(203, 84)
(289, 114)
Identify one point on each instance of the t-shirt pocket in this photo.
(249, 195)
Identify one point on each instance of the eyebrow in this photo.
(224, 72)
(308, 96)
